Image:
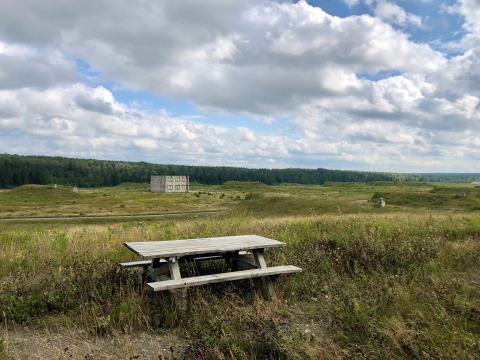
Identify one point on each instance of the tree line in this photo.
(16, 170)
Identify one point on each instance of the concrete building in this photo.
(168, 183)
(381, 202)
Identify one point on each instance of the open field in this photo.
(125, 199)
(396, 282)
(286, 199)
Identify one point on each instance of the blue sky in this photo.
(355, 84)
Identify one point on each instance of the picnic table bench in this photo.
(245, 252)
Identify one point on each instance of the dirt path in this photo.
(73, 343)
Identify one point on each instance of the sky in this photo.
(376, 85)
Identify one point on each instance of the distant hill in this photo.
(16, 170)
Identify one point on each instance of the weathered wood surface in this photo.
(242, 256)
(230, 276)
(143, 263)
(166, 249)
(178, 294)
(205, 258)
(154, 273)
(261, 264)
(242, 261)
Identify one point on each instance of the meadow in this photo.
(377, 283)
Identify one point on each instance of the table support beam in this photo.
(261, 264)
(156, 273)
(230, 261)
(179, 294)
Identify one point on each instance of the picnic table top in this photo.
(171, 248)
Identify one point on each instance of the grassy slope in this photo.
(398, 282)
(125, 199)
(342, 198)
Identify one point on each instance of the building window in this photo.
(184, 187)
(171, 178)
(170, 187)
(184, 178)
(177, 187)
(177, 178)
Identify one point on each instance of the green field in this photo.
(398, 282)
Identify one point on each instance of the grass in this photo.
(245, 186)
(398, 282)
(45, 201)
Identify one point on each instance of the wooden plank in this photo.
(248, 259)
(184, 249)
(228, 239)
(165, 249)
(143, 263)
(211, 257)
(260, 261)
(231, 276)
(178, 295)
(154, 273)
(200, 244)
(174, 269)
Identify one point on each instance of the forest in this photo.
(16, 170)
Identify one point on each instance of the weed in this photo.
(60, 242)
(3, 354)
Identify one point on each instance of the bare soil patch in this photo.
(72, 343)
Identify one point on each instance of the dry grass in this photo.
(67, 342)
(125, 199)
(374, 285)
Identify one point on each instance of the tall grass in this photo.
(372, 286)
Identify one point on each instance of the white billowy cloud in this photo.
(78, 120)
(264, 59)
(393, 13)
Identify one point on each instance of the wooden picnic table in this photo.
(244, 251)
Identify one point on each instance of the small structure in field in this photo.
(463, 194)
(75, 188)
(169, 183)
(54, 186)
(381, 202)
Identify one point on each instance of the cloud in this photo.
(351, 3)
(93, 104)
(24, 66)
(395, 14)
(470, 10)
(265, 59)
(251, 57)
(58, 124)
(69, 120)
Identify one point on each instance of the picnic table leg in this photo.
(232, 264)
(179, 294)
(261, 264)
(156, 271)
